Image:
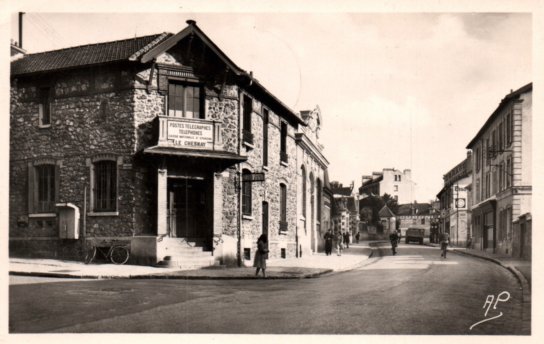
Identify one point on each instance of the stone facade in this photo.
(312, 164)
(118, 113)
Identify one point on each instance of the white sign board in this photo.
(191, 135)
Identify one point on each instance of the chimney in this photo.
(190, 22)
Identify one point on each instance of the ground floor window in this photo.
(105, 186)
(45, 182)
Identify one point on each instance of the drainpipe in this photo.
(238, 187)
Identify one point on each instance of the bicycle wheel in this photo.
(89, 256)
(119, 255)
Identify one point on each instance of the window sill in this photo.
(44, 126)
(265, 168)
(105, 213)
(42, 215)
(248, 145)
(283, 232)
(247, 217)
(283, 163)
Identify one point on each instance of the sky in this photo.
(396, 90)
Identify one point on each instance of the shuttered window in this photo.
(45, 176)
(43, 187)
(246, 194)
(105, 186)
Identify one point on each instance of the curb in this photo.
(188, 277)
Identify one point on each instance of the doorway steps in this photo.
(184, 254)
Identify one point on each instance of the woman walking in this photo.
(261, 255)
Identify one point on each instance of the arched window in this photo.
(303, 173)
(283, 207)
(319, 194)
(246, 193)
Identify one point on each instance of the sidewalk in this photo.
(304, 267)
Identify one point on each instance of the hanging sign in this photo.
(253, 177)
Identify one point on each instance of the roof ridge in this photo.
(149, 46)
(94, 44)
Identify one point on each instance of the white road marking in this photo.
(412, 262)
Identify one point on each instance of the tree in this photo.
(369, 208)
(391, 203)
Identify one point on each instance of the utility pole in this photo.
(457, 212)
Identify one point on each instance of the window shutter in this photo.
(163, 83)
(31, 188)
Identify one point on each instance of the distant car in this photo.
(415, 234)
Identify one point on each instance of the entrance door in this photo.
(188, 208)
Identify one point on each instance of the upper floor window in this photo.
(509, 129)
(283, 142)
(246, 124)
(104, 184)
(395, 188)
(501, 135)
(508, 172)
(265, 137)
(477, 158)
(45, 107)
(246, 194)
(184, 100)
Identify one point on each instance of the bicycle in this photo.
(117, 254)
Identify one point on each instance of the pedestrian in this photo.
(399, 233)
(261, 255)
(357, 236)
(339, 243)
(444, 242)
(328, 242)
(394, 238)
(346, 239)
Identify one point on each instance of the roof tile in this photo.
(84, 55)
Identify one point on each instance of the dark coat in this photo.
(261, 255)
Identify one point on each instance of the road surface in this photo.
(414, 292)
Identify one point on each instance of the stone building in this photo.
(312, 165)
(390, 181)
(455, 202)
(161, 142)
(502, 176)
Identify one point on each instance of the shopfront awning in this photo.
(485, 206)
(225, 159)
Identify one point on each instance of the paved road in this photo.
(414, 292)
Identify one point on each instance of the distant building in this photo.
(455, 202)
(390, 181)
(416, 215)
(346, 215)
(502, 177)
(387, 219)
